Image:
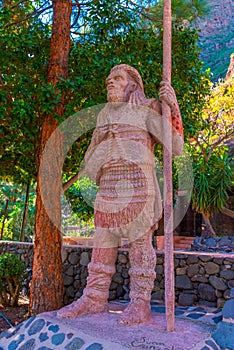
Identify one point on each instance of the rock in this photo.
(77, 284)
(159, 270)
(220, 303)
(182, 263)
(160, 259)
(122, 259)
(196, 240)
(210, 242)
(162, 283)
(84, 273)
(199, 278)
(126, 281)
(207, 303)
(186, 299)
(181, 256)
(70, 292)
(73, 258)
(125, 273)
(75, 344)
(218, 293)
(218, 261)
(117, 278)
(180, 271)
(126, 296)
(227, 274)
(217, 283)
(158, 295)
(202, 271)
(231, 284)
(112, 295)
(113, 286)
(119, 268)
(205, 258)
(228, 309)
(119, 292)
(227, 293)
(224, 241)
(224, 335)
(206, 292)
(84, 259)
(69, 271)
(193, 270)
(183, 282)
(126, 289)
(79, 294)
(64, 255)
(192, 259)
(212, 268)
(158, 277)
(67, 280)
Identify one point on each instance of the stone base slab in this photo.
(102, 332)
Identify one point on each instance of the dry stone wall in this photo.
(200, 278)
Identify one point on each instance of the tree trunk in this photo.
(46, 286)
(25, 213)
(227, 212)
(209, 226)
(4, 219)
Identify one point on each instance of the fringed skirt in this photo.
(125, 202)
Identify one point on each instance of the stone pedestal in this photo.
(102, 332)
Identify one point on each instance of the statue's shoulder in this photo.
(154, 104)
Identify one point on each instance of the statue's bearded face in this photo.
(119, 86)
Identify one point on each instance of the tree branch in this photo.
(36, 12)
(70, 182)
(227, 212)
(77, 4)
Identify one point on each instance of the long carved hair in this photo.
(138, 95)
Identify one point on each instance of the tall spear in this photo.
(167, 172)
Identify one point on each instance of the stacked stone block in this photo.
(199, 278)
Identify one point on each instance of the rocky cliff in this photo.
(217, 36)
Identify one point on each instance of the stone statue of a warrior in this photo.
(120, 159)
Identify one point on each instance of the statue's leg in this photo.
(95, 296)
(142, 274)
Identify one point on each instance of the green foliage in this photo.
(141, 48)
(111, 32)
(15, 194)
(81, 196)
(212, 159)
(24, 94)
(182, 10)
(11, 270)
(212, 180)
(11, 265)
(8, 233)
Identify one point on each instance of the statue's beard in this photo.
(115, 96)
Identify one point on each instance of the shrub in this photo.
(11, 271)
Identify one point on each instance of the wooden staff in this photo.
(167, 171)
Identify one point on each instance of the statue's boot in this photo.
(139, 310)
(142, 276)
(96, 293)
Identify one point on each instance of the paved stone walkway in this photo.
(193, 329)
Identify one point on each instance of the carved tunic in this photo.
(120, 159)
